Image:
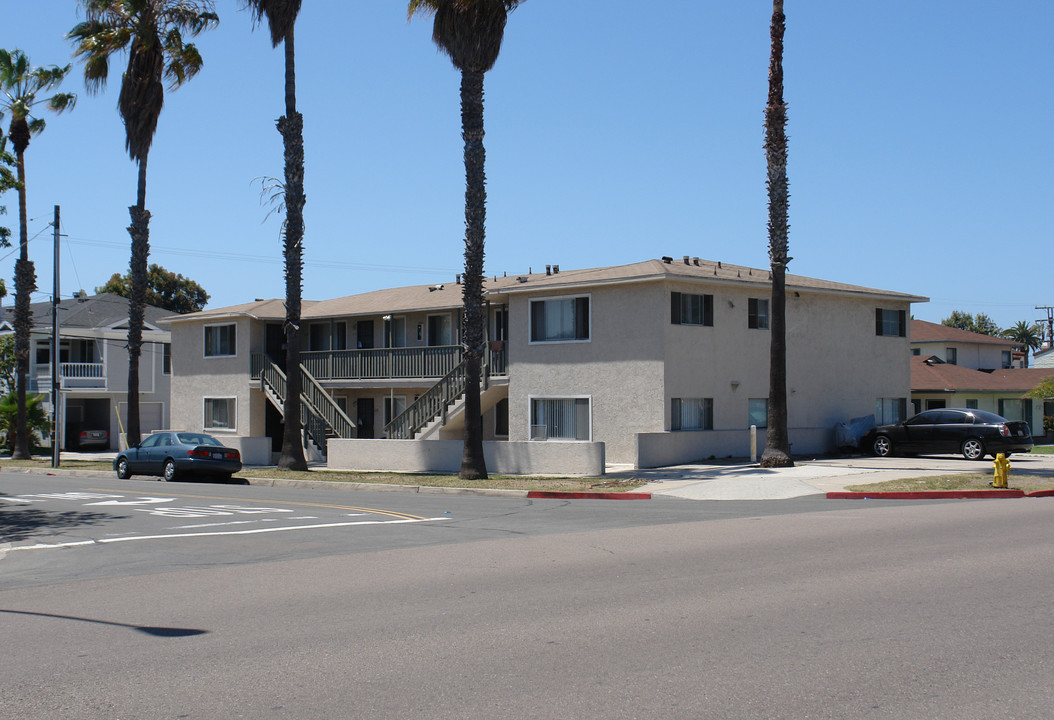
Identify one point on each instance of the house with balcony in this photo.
(653, 363)
(93, 364)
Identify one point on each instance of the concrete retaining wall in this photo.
(444, 456)
(683, 447)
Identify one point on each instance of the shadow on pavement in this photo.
(146, 629)
(17, 523)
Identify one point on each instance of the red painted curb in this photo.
(931, 495)
(537, 494)
(1040, 493)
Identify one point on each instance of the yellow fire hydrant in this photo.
(1002, 469)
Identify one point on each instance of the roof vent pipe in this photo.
(695, 261)
(556, 269)
(457, 278)
(667, 259)
(548, 270)
(687, 260)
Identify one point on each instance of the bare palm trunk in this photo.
(25, 284)
(291, 127)
(139, 231)
(473, 464)
(777, 442)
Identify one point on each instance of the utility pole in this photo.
(1049, 336)
(56, 382)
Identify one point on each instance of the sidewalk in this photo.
(741, 480)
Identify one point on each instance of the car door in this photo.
(918, 432)
(157, 454)
(951, 428)
(139, 456)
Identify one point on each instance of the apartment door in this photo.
(364, 417)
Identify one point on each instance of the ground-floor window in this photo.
(891, 410)
(692, 414)
(1016, 409)
(758, 412)
(220, 414)
(560, 419)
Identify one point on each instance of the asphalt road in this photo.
(389, 605)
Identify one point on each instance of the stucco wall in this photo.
(619, 369)
(444, 456)
(968, 355)
(195, 377)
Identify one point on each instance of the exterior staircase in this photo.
(440, 404)
(320, 416)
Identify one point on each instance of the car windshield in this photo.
(195, 439)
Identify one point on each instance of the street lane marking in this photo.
(375, 511)
(216, 533)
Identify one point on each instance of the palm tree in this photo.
(1025, 335)
(22, 86)
(152, 32)
(281, 18)
(777, 442)
(470, 33)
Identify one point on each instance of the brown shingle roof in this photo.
(942, 377)
(448, 295)
(927, 332)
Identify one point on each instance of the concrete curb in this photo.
(934, 495)
(557, 495)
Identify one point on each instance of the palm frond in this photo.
(280, 15)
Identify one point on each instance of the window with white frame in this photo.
(891, 323)
(220, 414)
(890, 410)
(564, 319)
(221, 340)
(758, 412)
(951, 356)
(758, 314)
(560, 419)
(688, 309)
(692, 414)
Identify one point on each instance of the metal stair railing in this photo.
(432, 404)
(319, 413)
(324, 404)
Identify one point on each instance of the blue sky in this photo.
(920, 148)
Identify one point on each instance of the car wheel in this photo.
(973, 449)
(170, 470)
(882, 446)
(122, 469)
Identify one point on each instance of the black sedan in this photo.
(951, 430)
(172, 453)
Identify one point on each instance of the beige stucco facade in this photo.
(619, 373)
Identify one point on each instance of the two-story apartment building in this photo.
(662, 361)
(957, 368)
(93, 364)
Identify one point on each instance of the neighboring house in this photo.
(93, 364)
(961, 347)
(654, 363)
(937, 384)
(1043, 358)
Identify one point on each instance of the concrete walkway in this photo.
(745, 481)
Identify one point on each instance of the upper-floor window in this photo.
(916, 351)
(560, 319)
(758, 313)
(166, 359)
(891, 323)
(688, 309)
(220, 340)
(1008, 361)
(951, 356)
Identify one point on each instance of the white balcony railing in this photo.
(73, 375)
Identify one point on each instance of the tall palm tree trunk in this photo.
(777, 442)
(473, 464)
(139, 231)
(291, 127)
(25, 284)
